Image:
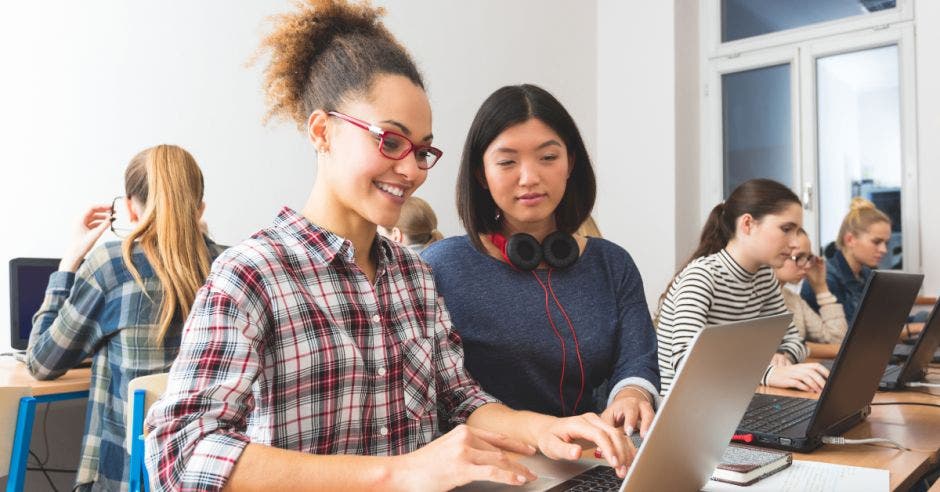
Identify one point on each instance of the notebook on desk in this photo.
(798, 424)
(695, 422)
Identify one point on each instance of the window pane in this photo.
(859, 149)
(745, 18)
(756, 121)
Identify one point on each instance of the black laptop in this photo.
(896, 376)
(798, 424)
(28, 280)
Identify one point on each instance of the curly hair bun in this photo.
(326, 51)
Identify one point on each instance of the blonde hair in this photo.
(862, 215)
(589, 228)
(167, 180)
(418, 223)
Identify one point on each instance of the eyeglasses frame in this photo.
(382, 133)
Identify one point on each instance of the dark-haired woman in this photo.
(730, 278)
(551, 338)
(318, 353)
(124, 304)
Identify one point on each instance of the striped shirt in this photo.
(100, 311)
(290, 345)
(711, 290)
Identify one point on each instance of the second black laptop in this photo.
(896, 376)
(798, 424)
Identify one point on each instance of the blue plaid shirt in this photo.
(100, 311)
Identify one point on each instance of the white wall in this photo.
(636, 134)
(927, 13)
(86, 85)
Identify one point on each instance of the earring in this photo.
(499, 215)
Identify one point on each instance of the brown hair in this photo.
(325, 52)
(167, 180)
(862, 215)
(756, 197)
(418, 223)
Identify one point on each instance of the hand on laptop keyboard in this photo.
(556, 440)
(463, 455)
(810, 376)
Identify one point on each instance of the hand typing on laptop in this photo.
(631, 409)
(808, 376)
(468, 453)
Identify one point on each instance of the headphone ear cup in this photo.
(524, 251)
(560, 250)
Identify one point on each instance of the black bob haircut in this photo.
(509, 106)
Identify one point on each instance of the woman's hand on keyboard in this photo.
(463, 455)
(557, 440)
(805, 377)
(631, 410)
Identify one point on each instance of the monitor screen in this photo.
(28, 280)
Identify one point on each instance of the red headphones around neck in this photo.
(559, 250)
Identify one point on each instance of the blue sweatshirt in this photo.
(510, 346)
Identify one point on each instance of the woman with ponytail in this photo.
(319, 353)
(124, 304)
(730, 278)
(861, 244)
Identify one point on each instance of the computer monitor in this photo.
(28, 280)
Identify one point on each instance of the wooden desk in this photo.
(915, 427)
(14, 374)
(73, 384)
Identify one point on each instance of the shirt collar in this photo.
(736, 269)
(325, 246)
(845, 271)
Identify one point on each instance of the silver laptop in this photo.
(695, 422)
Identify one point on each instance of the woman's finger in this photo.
(623, 449)
(646, 418)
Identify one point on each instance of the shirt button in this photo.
(383, 431)
(376, 318)
(381, 371)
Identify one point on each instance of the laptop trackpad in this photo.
(550, 473)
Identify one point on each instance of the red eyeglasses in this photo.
(395, 145)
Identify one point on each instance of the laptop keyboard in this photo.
(770, 414)
(601, 478)
(891, 373)
(598, 478)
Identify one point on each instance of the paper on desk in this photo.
(807, 476)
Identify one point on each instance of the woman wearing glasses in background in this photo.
(124, 304)
(823, 332)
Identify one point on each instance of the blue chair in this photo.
(144, 391)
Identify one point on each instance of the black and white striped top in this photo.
(711, 290)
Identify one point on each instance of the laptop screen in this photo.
(28, 280)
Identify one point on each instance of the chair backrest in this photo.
(9, 408)
(154, 385)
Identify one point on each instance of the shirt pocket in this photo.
(418, 377)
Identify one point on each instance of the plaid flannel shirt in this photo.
(289, 345)
(101, 311)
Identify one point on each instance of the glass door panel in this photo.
(859, 139)
(757, 140)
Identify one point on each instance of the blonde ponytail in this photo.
(862, 215)
(168, 231)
